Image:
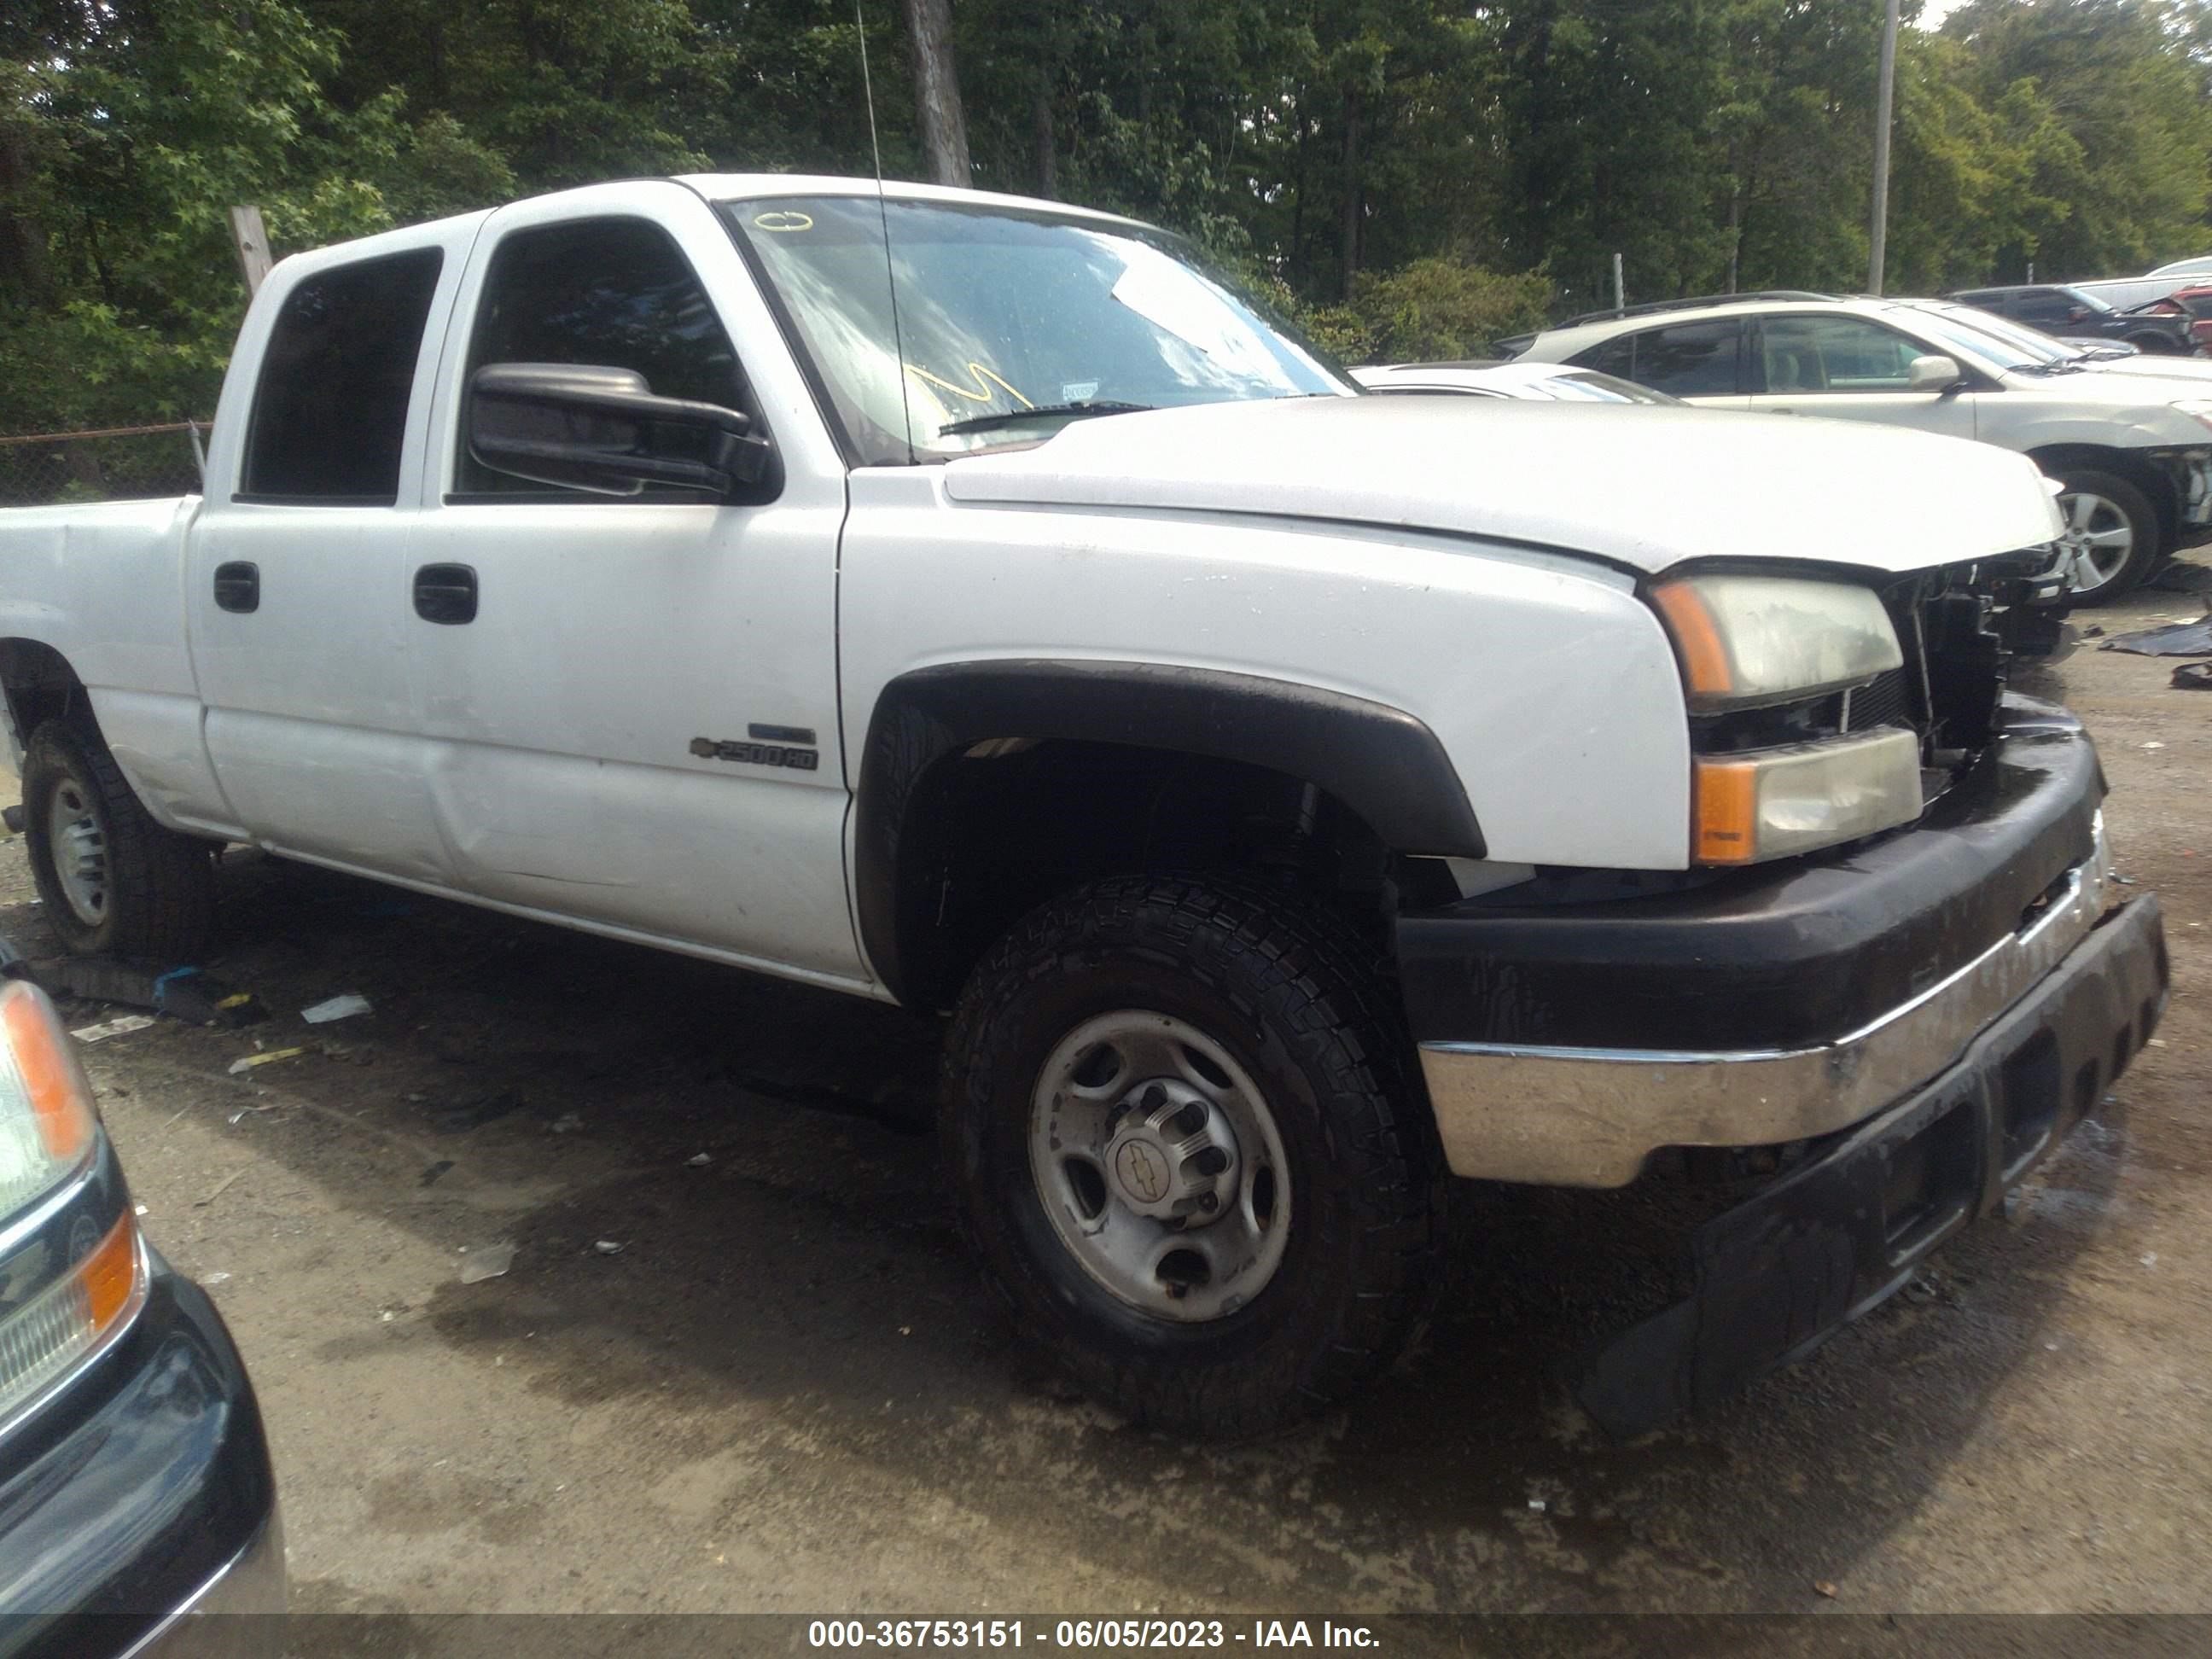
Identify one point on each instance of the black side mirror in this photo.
(599, 429)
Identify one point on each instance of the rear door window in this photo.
(330, 410)
(1685, 360)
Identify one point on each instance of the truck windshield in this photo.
(1008, 322)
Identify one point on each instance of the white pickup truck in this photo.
(1292, 795)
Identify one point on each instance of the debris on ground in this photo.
(477, 1113)
(568, 1123)
(1823, 1587)
(223, 1187)
(488, 1262)
(2180, 578)
(247, 1062)
(698, 1160)
(214, 1279)
(119, 1026)
(340, 1008)
(2193, 677)
(2179, 639)
(186, 994)
(608, 1247)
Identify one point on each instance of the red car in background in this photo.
(2195, 303)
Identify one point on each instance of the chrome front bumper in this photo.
(1590, 1117)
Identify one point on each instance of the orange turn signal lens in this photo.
(110, 1274)
(1726, 812)
(1697, 637)
(61, 1101)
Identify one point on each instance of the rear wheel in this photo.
(2111, 541)
(112, 881)
(1183, 1148)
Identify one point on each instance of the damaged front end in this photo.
(1884, 1035)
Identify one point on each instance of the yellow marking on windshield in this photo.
(784, 221)
(981, 394)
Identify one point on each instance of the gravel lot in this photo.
(786, 1391)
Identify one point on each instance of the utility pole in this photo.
(252, 242)
(1884, 94)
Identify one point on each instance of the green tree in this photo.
(146, 122)
(2116, 77)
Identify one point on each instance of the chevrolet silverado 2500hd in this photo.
(1293, 796)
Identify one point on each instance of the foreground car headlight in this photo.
(1748, 639)
(1769, 803)
(72, 1269)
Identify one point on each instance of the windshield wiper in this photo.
(1016, 416)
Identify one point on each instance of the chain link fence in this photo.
(121, 463)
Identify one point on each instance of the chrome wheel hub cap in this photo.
(2097, 540)
(1159, 1165)
(80, 852)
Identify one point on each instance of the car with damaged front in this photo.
(1288, 798)
(2131, 453)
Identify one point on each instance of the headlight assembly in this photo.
(1744, 641)
(72, 1271)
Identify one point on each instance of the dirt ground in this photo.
(786, 1391)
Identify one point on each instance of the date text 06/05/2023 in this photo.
(1087, 1633)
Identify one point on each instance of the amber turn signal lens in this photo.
(60, 1102)
(1698, 637)
(110, 1273)
(1728, 812)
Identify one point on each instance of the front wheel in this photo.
(1184, 1148)
(2111, 541)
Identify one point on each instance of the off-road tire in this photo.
(2149, 549)
(1286, 991)
(160, 903)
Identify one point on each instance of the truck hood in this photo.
(1648, 488)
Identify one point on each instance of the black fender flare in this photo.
(1380, 762)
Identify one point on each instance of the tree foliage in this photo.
(1412, 177)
